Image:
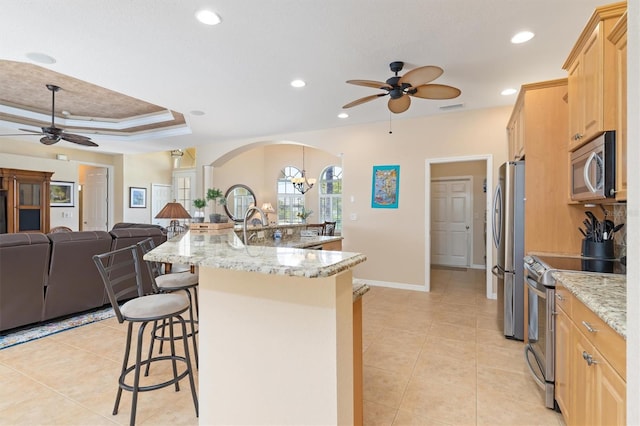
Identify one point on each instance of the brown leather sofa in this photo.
(48, 276)
(74, 284)
(24, 261)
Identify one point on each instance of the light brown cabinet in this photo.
(563, 334)
(590, 366)
(515, 130)
(618, 37)
(592, 100)
(541, 112)
(27, 199)
(333, 245)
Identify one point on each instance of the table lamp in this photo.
(173, 211)
(267, 208)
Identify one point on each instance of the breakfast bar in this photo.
(276, 329)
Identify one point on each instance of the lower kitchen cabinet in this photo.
(589, 390)
(563, 355)
(333, 245)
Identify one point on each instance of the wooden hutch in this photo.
(24, 201)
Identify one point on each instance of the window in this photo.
(331, 196)
(290, 201)
(184, 188)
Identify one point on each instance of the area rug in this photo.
(39, 331)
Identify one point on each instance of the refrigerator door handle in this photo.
(498, 271)
(497, 216)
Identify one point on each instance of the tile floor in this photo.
(429, 359)
(440, 358)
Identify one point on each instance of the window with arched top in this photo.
(330, 191)
(290, 201)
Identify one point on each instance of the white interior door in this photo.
(95, 199)
(450, 222)
(160, 196)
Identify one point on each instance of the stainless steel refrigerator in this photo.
(508, 238)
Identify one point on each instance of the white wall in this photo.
(141, 171)
(392, 239)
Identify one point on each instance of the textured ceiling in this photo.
(238, 73)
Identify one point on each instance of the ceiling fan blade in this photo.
(363, 100)
(50, 140)
(436, 91)
(399, 105)
(31, 131)
(79, 139)
(19, 134)
(370, 83)
(421, 75)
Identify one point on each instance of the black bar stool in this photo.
(121, 274)
(171, 283)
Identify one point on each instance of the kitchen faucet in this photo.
(247, 214)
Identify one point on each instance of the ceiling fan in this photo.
(400, 89)
(53, 134)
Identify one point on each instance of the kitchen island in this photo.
(276, 330)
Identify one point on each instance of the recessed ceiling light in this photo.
(298, 83)
(208, 17)
(343, 115)
(522, 37)
(40, 58)
(196, 112)
(509, 91)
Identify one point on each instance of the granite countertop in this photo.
(301, 242)
(223, 249)
(604, 294)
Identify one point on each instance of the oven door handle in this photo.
(535, 289)
(538, 380)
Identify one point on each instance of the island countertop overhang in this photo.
(224, 250)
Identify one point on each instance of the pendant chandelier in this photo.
(302, 184)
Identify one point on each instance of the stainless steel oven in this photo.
(539, 352)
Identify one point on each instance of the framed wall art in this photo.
(61, 194)
(137, 197)
(385, 187)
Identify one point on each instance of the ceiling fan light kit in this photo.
(399, 89)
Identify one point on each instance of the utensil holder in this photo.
(598, 249)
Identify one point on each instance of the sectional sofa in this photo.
(47, 276)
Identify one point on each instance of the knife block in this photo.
(598, 249)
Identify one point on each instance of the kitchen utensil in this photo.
(582, 232)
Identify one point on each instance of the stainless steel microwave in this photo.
(593, 174)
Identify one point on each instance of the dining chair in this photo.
(329, 228)
(121, 274)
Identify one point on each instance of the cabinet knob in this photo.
(559, 297)
(589, 358)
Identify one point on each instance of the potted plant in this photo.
(199, 203)
(304, 214)
(215, 195)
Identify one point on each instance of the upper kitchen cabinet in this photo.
(515, 130)
(592, 78)
(618, 37)
(540, 118)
